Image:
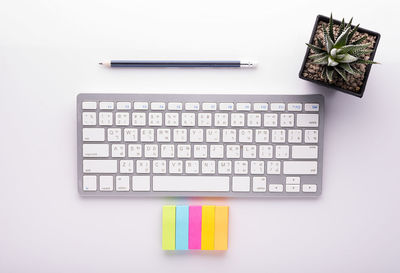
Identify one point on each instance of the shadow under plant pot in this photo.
(356, 82)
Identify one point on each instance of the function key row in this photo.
(195, 106)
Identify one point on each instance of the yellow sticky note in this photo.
(168, 228)
(207, 227)
(221, 227)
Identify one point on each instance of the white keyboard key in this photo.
(294, 136)
(151, 150)
(188, 119)
(226, 106)
(155, 119)
(106, 105)
(140, 183)
(300, 167)
(192, 166)
(114, 134)
(273, 167)
(241, 167)
(171, 119)
(135, 150)
(216, 151)
(130, 135)
(163, 135)
(311, 136)
(254, 120)
(118, 150)
(262, 135)
(257, 167)
(200, 151)
(224, 167)
(138, 119)
(95, 150)
(122, 118)
(240, 183)
(221, 119)
(175, 106)
(140, 105)
(259, 184)
(159, 166)
(306, 152)
(233, 151)
(191, 183)
(180, 135)
(282, 151)
(106, 183)
(208, 167)
(124, 105)
(93, 134)
(270, 120)
(260, 106)
(292, 188)
(294, 107)
(243, 106)
(89, 183)
(192, 106)
(229, 135)
(89, 105)
(99, 166)
(175, 166)
(295, 180)
(122, 183)
(146, 135)
(105, 118)
(313, 107)
(278, 136)
(245, 135)
(184, 151)
(249, 151)
(309, 188)
(167, 151)
(89, 118)
(142, 166)
(275, 188)
(204, 119)
(237, 120)
(277, 107)
(209, 106)
(196, 135)
(287, 120)
(157, 106)
(212, 135)
(265, 151)
(126, 166)
(307, 120)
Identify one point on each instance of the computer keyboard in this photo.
(200, 145)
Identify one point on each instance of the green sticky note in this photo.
(168, 229)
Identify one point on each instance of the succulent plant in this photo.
(340, 54)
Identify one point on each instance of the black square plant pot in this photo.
(359, 93)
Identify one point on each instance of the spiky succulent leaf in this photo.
(359, 41)
(351, 34)
(349, 23)
(362, 61)
(347, 68)
(329, 73)
(320, 44)
(362, 53)
(346, 58)
(342, 39)
(352, 48)
(342, 73)
(341, 28)
(356, 70)
(332, 61)
(318, 55)
(331, 35)
(315, 48)
(322, 60)
(328, 41)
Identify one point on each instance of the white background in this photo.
(48, 54)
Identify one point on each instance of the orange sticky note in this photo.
(221, 227)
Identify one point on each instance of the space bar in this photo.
(190, 183)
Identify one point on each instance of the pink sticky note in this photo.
(195, 227)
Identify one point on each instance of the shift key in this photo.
(99, 166)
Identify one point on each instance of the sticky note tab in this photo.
(221, 227)
(168, 230)
(195, 227)
(207, 228)
(182, 228)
